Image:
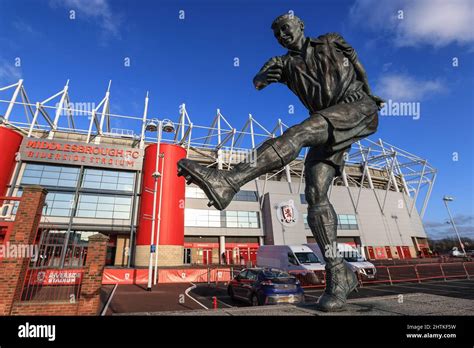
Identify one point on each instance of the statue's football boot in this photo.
(340, 282)
(215, 183)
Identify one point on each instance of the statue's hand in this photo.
(270, 73)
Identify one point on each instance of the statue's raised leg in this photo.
(220, 186)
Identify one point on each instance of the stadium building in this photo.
(103, 178)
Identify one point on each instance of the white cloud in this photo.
(97, 10)
(443, 229)
(403, 87)
(433, 22)
(9, 74)
(23, 27)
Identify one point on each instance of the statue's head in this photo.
(288, 30)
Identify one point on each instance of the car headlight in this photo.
(362, 270)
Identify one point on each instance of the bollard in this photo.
(417, 275)
(442, 271)
(389, 276)
(465, 270)
(214, 302)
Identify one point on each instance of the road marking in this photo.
(194, 286)
(109, 300)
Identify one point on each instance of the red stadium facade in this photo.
(10, 141)
(171, 218)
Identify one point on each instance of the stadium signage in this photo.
(57, 277)
(94, 155)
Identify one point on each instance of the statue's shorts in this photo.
(348, 123)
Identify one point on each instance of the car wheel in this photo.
(254, 300)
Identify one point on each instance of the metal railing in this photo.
(420, 272)
(52, 284)
(414, 273)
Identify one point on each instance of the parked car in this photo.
(261, 286)
(353, 258)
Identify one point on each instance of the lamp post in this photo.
(156, 126)
(447, 199)
(155, 276)
(167, 127)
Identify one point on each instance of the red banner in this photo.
(199, 275)
(125, 276)
(140, 276)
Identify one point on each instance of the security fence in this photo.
(56, 273)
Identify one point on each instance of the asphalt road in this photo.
(459, 288)
(189, 297)
(163, 297)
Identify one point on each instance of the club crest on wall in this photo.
(287, 213)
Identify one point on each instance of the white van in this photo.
(456, 253)
(353, 258)
(289, 258)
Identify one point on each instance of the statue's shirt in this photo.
(322, 74)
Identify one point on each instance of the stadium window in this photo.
(242, 219)
(344, 222)
(46, 175)
(347, 222)
(202, 218)
(56, 203)
(108, 180)
(59, 204)
(104, 207)
(246, 196)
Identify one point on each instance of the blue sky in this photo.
(191, 60)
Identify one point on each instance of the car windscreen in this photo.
(275, 274)
(306, 257)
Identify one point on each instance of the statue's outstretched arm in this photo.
(270, 72)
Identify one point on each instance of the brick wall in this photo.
(44, 308)
(168, 255)
(89, 301)
(13, 270)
